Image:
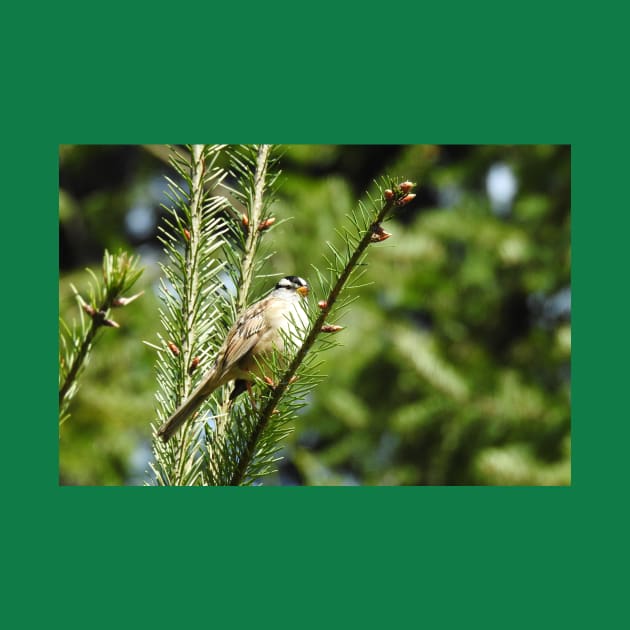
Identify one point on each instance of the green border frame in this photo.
(316, 557)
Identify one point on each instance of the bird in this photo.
(256, 333)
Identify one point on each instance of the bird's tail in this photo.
(186, 409)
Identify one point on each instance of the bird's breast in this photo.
(289, 317)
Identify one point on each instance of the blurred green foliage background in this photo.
(454, 366)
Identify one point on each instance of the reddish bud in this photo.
(173, 348)
(266, 224)
(90, 310)
(388, 194)
(322, 304)
(379, 234)
(405, 200)
(406, 186)
(269, 381)
(330, 328)
(245, 220)
(194, 364)
(122, 301)
(186, 234)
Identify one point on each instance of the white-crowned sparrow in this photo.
(255, 333)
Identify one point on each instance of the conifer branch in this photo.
(192, 252)
(254, 221)
(119, 275)
(368, 230)
(165, 154)
(192, 296)
(191, 285)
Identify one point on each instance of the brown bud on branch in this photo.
(331, 328)
(406, 199)
(123, 301)
(405, 187)
(266, 224)
(378, 234)
(88, 308)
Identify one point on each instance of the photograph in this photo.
(314, 315)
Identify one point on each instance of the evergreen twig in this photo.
(119, 275)
(255, 215)
(193, 301)
(367, 230)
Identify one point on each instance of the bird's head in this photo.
(294, 283)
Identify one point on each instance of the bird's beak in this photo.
(303, 291)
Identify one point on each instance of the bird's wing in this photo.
(243, 336)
